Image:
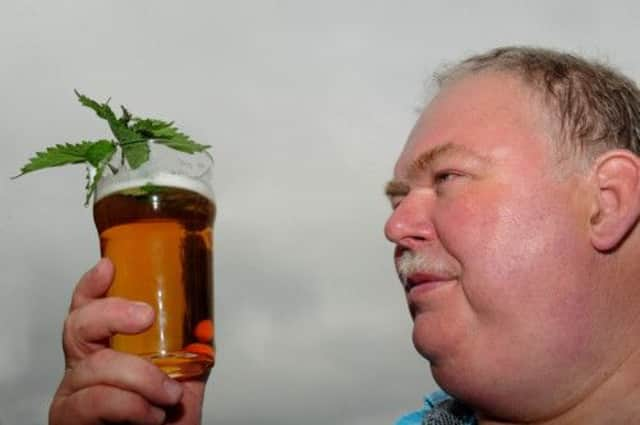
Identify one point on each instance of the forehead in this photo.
(492, 114)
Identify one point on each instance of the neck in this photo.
(615, 401)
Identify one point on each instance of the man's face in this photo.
(493, 245)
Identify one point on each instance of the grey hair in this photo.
(595, 107)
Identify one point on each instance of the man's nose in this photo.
(410, 224)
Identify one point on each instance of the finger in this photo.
(124, 371)
(189, 411)
(87, 328)
(93, 284)
(97, 404)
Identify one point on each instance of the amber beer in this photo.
(158, 233)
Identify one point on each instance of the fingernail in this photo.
(140, 311)
(157, 415)
(173, 389)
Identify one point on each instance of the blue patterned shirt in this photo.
(415, 418)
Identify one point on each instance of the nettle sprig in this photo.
(132, 137)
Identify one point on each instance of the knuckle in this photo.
(69, 331)
(73, 331)
(76, 297)
(67, 326)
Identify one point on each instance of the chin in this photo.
(450, 368)
(434, 350)
(434, 342)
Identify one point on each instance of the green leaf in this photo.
(165, 133)
(126, 116)
(149, 126)
(132, 137)
(58, 155)
(124, 134)
(103, 110)
(134, 145)
(135, 148)
(183, 143)
(152, 189)
(98, 155)
(119, 127)
(100, 152)
(92, 183)
(146, 190)
(136, 153)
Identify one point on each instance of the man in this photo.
(515, 208)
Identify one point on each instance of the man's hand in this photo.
(101, 385)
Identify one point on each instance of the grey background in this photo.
(306, 104)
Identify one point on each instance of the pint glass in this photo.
(156, 226)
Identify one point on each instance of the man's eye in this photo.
(444, 176)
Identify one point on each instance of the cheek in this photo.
(469, 226)
(516, 251)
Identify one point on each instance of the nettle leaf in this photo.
(58, 155)
(100, 152)
(120, 129)
(149, 126)
(181, 142)
(136, 153)
(126, 116)
(135, 146)
(99, 155)
(103, 110)
(175, 139)
(92, 182)
(132, 137)
(123, 133)
(165, 133)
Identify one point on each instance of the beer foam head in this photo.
(117, 183)
(165, 167)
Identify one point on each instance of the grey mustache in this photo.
(411, 262)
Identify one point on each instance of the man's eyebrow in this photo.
(424, 161)
(396, 188)
(427, 158)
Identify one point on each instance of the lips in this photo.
(424, 281)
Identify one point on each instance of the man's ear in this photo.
(616, 174)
